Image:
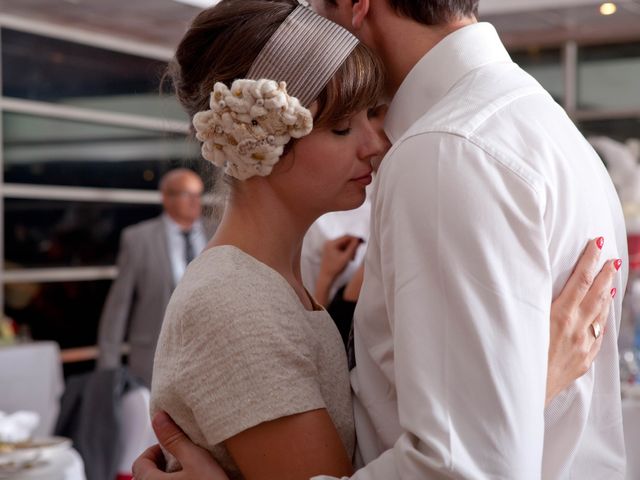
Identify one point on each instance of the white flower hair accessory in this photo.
(247, 126)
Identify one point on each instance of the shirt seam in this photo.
(473, 141)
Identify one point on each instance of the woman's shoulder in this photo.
(226, 283)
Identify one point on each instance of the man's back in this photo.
(483, 207)
(583, 425)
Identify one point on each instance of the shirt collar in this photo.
(173, 227)
(439, 70)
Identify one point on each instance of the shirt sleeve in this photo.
(467, 287)
(245, 359)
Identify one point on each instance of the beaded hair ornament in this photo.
(247, 126)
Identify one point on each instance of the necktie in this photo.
(188, 246)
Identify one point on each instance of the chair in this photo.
(136, 433)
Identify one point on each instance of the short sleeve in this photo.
(245, 359)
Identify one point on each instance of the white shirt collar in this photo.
(173, 227)
(439, 70)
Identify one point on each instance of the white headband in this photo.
(305, 52)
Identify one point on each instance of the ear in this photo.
(359, 12)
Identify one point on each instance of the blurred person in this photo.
(334, 227)
(153, 257)
(248, 363)
(341, 306)
(336, 255)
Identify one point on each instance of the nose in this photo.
(375, 143)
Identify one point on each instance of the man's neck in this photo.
(401, 52)
(184, 224)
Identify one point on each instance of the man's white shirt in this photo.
(178, 247)
(481, 210)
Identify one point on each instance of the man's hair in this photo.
(432, 12)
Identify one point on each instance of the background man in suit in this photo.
(153, 257)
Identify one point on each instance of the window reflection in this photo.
(45, 233)
(546, 67)
(42, 150)
(618, 129)
(52, 70)
(609, 77)
(67, 312)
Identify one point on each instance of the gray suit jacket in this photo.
(138, 297)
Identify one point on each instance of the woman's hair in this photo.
(223, 42)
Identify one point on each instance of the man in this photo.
(153, 256)
(480, 213)
(482, 206)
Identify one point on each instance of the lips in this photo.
(364, 176)
(364, 179)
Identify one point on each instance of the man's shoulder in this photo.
(479, 97)
(143, 228)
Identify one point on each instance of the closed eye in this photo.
(343, 132)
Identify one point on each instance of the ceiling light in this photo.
(199, 3)
(608, 8)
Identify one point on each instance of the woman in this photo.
(248, 365)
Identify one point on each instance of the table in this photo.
(66, 465)
(31, 379)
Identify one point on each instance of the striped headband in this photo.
(305, 52)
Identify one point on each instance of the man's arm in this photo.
(116, 310)
(468, 291)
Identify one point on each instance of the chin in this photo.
(349, 203)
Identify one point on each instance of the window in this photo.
(58, 71)
(54, 151)
(546, 67)
(45, 233)
(85, 136)
(609, 77)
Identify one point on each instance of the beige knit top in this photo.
(237, 348)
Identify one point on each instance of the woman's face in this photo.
(329, 169)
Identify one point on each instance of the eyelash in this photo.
(342, 133)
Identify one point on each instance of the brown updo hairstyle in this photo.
(223, 42)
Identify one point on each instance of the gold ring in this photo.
(597, 329)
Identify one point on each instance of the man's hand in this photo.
(196, 462)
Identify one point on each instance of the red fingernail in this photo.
(600, 242)
(613, 292)
(617, 264)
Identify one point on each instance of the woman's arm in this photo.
(296, 447)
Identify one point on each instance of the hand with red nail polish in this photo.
(584, 301)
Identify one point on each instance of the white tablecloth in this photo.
(66, 465)
(31, 379)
